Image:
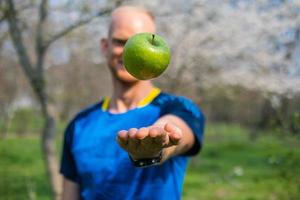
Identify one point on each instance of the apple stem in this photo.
(153, 38)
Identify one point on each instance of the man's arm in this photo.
(70, 190)
(169, 134)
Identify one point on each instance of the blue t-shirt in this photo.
(93, 159)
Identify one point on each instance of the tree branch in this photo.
(77, 24)
(81, 22)
(16, 36)
(43, 11)
(39, 46)
(3, 10)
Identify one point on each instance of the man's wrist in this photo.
(146, 162)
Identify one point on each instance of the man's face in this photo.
(124, 25)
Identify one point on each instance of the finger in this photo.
(174, 131)
(142, 133)
(162, 138)
(154, 132)
(174, 141)
(132, 141)
(132, 133)
(175, 134)
(122, 139)
(148, 142)
(123, 134)
(159, 137)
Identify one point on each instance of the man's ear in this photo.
(104, 46)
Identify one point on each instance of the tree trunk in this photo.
(50, 159)
(48, 139)
(36, 76)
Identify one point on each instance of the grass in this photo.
(233, 167)
(22, 170)
(230, 166)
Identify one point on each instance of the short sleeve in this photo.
(68, 167)
(190, 113)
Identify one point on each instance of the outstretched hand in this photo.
(149, 142)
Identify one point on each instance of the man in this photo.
(135, 144)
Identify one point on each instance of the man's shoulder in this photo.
(164, 94)
(83, 116)
(168, 101)
(168, 98)
(87, 111)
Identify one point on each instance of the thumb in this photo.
(174, 132)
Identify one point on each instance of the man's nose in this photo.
(119, 50)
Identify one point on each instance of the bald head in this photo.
(131, 18)
(125, 22)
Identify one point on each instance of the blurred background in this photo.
(239, 60)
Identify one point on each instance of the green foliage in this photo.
(230, 166)
(252, 108)
(26, 120)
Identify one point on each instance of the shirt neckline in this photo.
(144, 102)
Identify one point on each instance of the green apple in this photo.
(146, 56)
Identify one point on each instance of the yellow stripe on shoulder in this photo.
(149, 98)
(105, 103)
